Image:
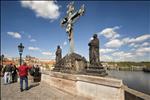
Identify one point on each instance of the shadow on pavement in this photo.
(33, 85)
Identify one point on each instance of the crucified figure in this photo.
(69, 20)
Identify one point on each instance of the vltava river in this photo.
(137, 80)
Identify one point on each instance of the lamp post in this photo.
(2, 59)
(20, 49)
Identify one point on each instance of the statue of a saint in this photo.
(58, 54)
(94, 51)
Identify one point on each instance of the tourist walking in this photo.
(14, 73)
(23, 73)
(7, 74)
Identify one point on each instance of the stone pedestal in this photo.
(98, 71)
(76, 64)
(71, 63)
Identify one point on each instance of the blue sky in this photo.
(123, 28)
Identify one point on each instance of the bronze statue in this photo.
(69, 20)
(94, 51)
(58, 54)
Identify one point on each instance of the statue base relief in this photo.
(96, 70)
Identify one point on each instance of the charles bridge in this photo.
(72, 78)
(46, 90)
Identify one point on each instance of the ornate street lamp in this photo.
(20, 49)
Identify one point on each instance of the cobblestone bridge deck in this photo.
(37, 91)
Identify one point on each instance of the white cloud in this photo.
(137, 39)
(116, 36)
(126, 40)
(137, 42)
(106, 58)
(14, 34)
(106, 50)
(114, 43)
(134, 45)
(47, 53)
(146, 44)
(143, 50)
(44, 9)
(32, 40)
(140, 38)
(65, 43)
(110, 32)
(139, 54)
(120, 53)
(33, 48)
(123, 56)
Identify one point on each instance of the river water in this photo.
(137, 80)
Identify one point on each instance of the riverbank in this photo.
(126, 66)
(147, 70)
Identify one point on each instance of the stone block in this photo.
(94, 87)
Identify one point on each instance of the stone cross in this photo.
(69, 20)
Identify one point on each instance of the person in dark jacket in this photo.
(14, 74)
(37, 74)
(1, 70)
(1, 67)
(37, 69)
(23, 73)
(7, 74)
(32, 70)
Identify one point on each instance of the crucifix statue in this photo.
(69, 20)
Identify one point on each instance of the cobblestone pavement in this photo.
(37, 91)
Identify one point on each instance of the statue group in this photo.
(73, 62)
